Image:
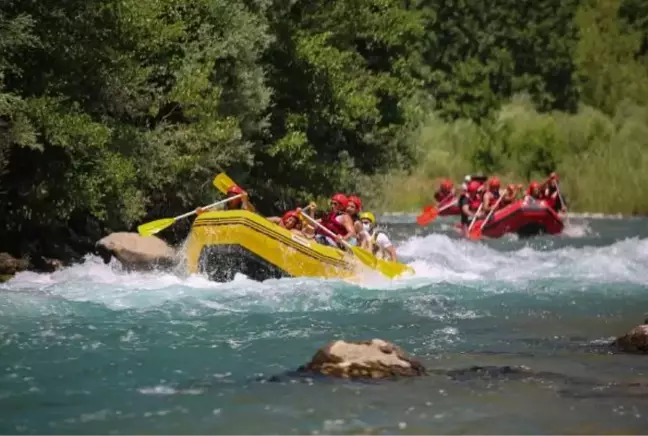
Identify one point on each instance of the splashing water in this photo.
(94, 349)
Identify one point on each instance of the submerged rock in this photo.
(136, 252)
(10, 265)
(635, 341)
(367, 359)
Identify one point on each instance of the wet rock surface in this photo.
(10, 265)
(375, 359)
(136, 252)
(635, 341)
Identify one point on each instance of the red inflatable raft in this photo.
(452, 210)
(524, 219)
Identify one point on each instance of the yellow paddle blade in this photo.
(388, 268)
(364, 256)
(148, 229)
(222, 182)
(393, 269)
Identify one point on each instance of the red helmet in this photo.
(473, 187)
(494, 182)
(290, 214)
(231, 192)
(446, 184)
(355, 200)
(234, 190)
(341, 199)
(532, 187)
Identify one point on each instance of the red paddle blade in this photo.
(427, 217)
(474, 234)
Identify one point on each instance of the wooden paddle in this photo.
(476, 234)
(431, 212)
(363, 255)
(153, 227)
(223, 183)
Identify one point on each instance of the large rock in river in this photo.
(367, 359)
(136, 252)
(10, 265)
(635, 341)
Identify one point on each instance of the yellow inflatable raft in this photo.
(222, 243)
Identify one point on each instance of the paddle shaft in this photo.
(209, 206)
(223, 183)
(475, 217)
(432, 213)
(491, 212)
(562, 200)
(319, 225)
(449, 205)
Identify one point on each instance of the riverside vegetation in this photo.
(113, 112)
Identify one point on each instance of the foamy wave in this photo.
(444, 259)
(410, 217)
(438, 260)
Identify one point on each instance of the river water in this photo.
(514, 334)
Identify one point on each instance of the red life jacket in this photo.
(440, 196)
(495, 195)
(333, 225)
(550, 201)
(506, 201)
(444, 199)
(475, 202)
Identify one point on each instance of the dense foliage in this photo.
(124, 110)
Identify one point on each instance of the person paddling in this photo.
(510, 195)
(240, 203)
(354, 208)
(381, 246)
(445, 193)
(533, 193)
(491, 195)
(552, 194)
(469, 203)
(289, 221)
(339, 222)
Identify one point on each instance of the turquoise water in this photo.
(513, 332)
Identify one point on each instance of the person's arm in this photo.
(392, 253)
(274, 219)
(383, 241)
(246, 203)
(486, 202)
(365, 240)
(347, 222)
(310, 210)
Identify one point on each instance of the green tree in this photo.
(609, 68)
(481, 53)
(133, 105)
(343, 74)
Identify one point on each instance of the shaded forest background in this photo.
(113, 112)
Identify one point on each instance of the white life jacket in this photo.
(377, 250)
